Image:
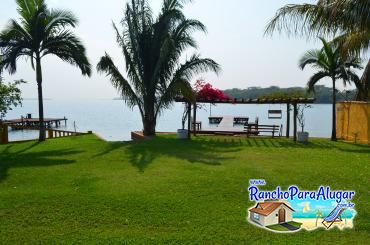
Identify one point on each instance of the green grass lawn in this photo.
(84, 190)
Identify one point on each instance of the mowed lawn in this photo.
(85, 190)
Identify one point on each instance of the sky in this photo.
(235, 39)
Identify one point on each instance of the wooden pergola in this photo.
(289, 102)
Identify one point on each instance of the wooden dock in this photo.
(35, 122)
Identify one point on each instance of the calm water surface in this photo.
(114, 121)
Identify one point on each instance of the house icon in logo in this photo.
(271, 213)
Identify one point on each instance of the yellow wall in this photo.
(353, 121)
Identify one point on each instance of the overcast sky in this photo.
(235, 40)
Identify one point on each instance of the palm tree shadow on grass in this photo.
(289, 144)
(25, 158)
(209, 152)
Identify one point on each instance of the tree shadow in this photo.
(204, 151)
(314, 144)
(24, 157)
(211, 150)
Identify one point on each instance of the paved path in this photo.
(289, 227)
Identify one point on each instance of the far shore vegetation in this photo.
(322, 94)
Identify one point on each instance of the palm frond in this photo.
(14, 43)
(301, 19)
(354, 42)
(58, 19)
(176, 88)
(10, 55)
(313, 57)
(180, 84)
(107, 66)
(315, 79)
(68, 48)
(27, 9)
(131, 66)
(169, 5)
(196, 65)
(326, 18)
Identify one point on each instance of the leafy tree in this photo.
(10, 96)
(348, 18)
(152, 47)
(205, 91)
(40, 32)
(330, 64)
(287, 94)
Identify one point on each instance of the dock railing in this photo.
(51, 133)
(54, 133)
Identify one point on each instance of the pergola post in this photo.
(288, 121)
(295, 106)
(195, 119)
(189, 120)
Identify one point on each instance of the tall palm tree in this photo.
(41, 32)
(330, 64)
(350, 19)
(152, 48)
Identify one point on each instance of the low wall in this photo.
(353, 121)
(138, 136)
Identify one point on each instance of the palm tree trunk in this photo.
(334, 125)
(363, 93)
(42, 135)
(149, 119)
(149, 128)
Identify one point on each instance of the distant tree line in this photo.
(322, 94)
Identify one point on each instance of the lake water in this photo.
(114, 121)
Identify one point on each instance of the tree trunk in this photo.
(42, 135)
(363, 93)
(149, 127)
(149, 117)
(334, 123)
